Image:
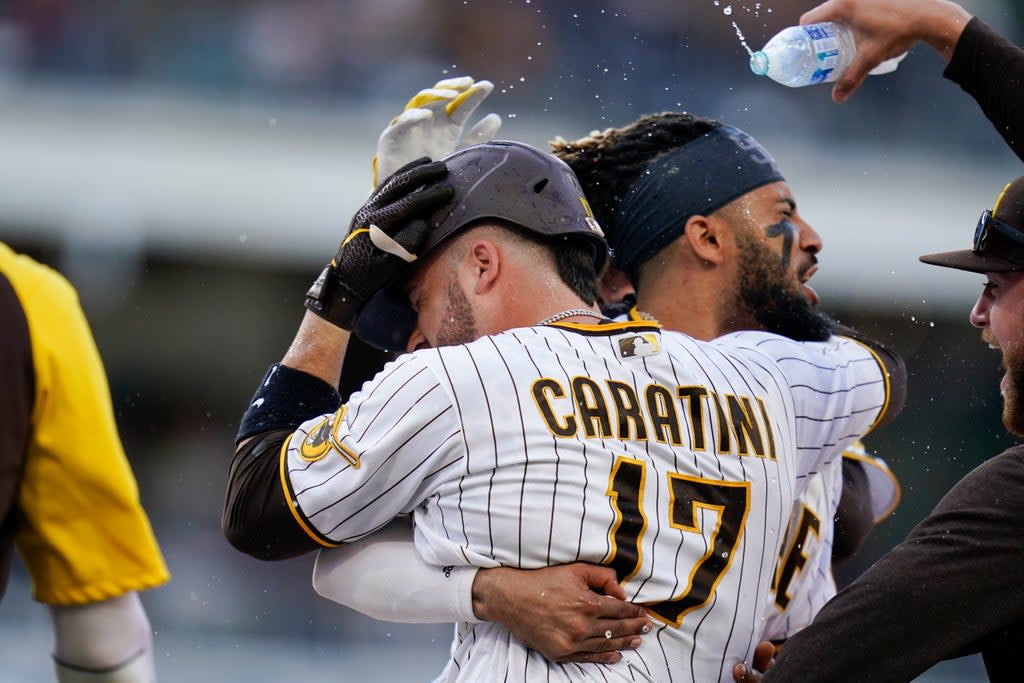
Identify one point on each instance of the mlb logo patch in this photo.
(637, 345)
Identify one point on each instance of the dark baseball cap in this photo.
(998, 237)
(497, 180)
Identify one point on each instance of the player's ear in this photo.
(485, 259)
(417, 340)
(705, 235)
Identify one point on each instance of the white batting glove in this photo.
(432, 125)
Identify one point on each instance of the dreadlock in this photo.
(608, 162)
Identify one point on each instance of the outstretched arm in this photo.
(564, 612)
(887, 28)
(917, 595)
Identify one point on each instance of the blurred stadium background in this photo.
(191, 165)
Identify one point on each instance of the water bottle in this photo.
(816, 53)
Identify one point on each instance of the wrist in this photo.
(484, 584)
(330, 299)
(943, 25)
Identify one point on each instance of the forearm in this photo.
(318, 349)
(991, 69)
(257, 517)
(103, 642)
(384, 577)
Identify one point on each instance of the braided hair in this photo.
(608, 162)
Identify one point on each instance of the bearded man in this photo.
(952, 588)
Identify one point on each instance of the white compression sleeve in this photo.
(103, 642)
(384, 577)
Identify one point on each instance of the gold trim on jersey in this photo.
(885, 379)
(635, 314)
(346, 453)
(609, 328)
(873, 462)
(293, 504)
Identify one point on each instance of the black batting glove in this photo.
(384, 237)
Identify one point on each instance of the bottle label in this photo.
(826, 49)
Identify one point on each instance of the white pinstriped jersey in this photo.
(674, 461)
(804, 567)
(803, 580)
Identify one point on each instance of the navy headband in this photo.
(695, 179)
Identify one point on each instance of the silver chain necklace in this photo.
(572, 312)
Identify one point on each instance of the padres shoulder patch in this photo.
(324, 436)
(317, 442)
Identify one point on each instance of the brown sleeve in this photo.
(17, 392)
(854, 517)
(257, 519)
(951, 588)
(990, 69)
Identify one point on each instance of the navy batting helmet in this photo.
(498, 180)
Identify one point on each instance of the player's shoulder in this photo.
(766, 342)
(1006, 467)
(825, 354)
(36, 285)
(625, 339)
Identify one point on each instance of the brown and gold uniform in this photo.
(68, 500)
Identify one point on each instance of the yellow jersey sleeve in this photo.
(84, 535)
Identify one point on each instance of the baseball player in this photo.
(68, 500)
(536, 432)
(952, 587)
(431, 123)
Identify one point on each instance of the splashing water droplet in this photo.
(743, 39)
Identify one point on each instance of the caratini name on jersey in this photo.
(611, 409)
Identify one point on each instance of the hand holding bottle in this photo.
(810, 54)
(884, 29)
